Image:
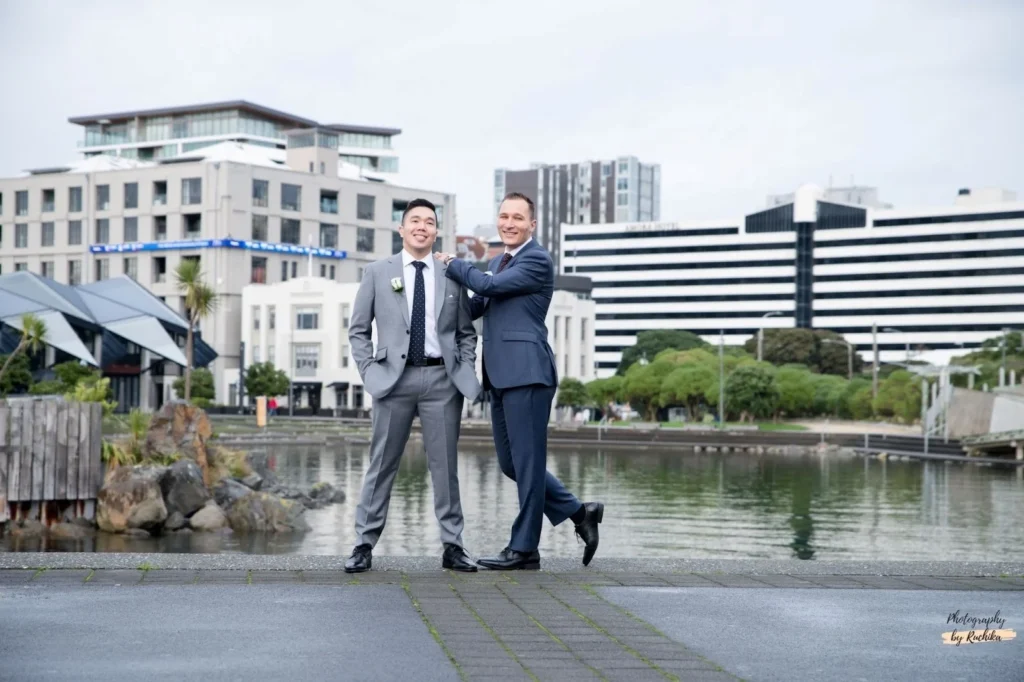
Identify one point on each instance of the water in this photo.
(668, 504)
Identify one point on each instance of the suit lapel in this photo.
(395, 270)
(439, 287)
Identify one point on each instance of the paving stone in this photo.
(57, 576)
(169, 577)
(115, 577)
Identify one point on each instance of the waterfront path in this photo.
(246, 617)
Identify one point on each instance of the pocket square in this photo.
(489, 273)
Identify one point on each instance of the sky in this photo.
(735, 99)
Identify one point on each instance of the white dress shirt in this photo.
(431, 345)
(515, 251)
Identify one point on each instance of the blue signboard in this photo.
(184, 244)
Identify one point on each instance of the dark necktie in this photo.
(418, 332)
(504, 261)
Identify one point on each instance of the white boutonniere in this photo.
(397, 285)
(489, 273)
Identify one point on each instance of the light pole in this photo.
(1002, 364)
(721, 379)
(849, 354)
(760, 334)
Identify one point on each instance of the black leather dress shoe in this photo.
(361, 559)
(511, 560)
(455, 558)
(587, 529)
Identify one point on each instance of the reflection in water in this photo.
(661, 504)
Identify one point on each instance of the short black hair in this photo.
(416, 203)
(522, 197)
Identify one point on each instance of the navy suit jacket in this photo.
(514, 304)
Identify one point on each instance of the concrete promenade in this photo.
(247, 617)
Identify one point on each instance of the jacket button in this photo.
(406, 331)
(403, 357)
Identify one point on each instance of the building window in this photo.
(102, 230)
(102, 269)
(48, 200)
(344, 355)
(21, 236)
(365, 206)
(398, 207)
(191, 191)
(74, 232)
(359, 274)
(271, 351)
(323, 271)
(606, 169)
(307, 317)
(623, 167)
(295, 268)
(131, 195)
(328, 236)
(261, 193)
(396, 242)
(74, 272)
(558, 327)
(160, 193)
(256, 318)
(271, 317)
(131, 229)
(331, 271)
(102, 197)
(131, 267)
(46, 269)
(622, 183)
(21, 267)
(159, 228)
(290, 230)
(328, 201)
(357, 397)
(75, 199)
(47, 235)
(438, 245)
(344, 316)
(192, 224)
(255, 354)
(291, 197)
(259, 227)
(159, 270)
(284, 271)
(21, 202)
(623, 200)
(364, 239)
(306, 359)
(259, 270)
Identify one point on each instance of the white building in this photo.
(935, 281)
(249, 214)
(301, 326)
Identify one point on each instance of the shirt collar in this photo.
(515, 251)
(408, 258)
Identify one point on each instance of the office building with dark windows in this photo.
(934, 282)
(621, 190)
(250, 213)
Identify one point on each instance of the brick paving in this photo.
(521, 625)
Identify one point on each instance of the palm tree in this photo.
(33, 337)
(200, 301)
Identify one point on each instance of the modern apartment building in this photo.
(153, 134)
(935, 282)
(619, 190)
(302, 326)
(250, 214)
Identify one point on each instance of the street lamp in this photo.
(760, 334)
(1002, 365)
(849, 354)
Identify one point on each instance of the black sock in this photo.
(580, 514)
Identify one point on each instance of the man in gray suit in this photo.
(424, 365)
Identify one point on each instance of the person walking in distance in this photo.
(519, 371)
(424, 365)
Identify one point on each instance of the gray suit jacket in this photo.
(378, 301)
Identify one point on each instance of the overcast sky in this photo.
(735, 99)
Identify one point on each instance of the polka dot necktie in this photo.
(504, 261)
(418, 332)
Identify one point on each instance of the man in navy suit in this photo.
(519, 372)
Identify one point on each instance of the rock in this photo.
(209, 518)
(136, 533)
(183, 531)
(327, 492)
(260, 511)
(253, 481)
(183, 488)
(228, 490)
(70, 531)
(84, 522)
(27, 528)
(131, 498)
(175, 521)
(180, 428)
